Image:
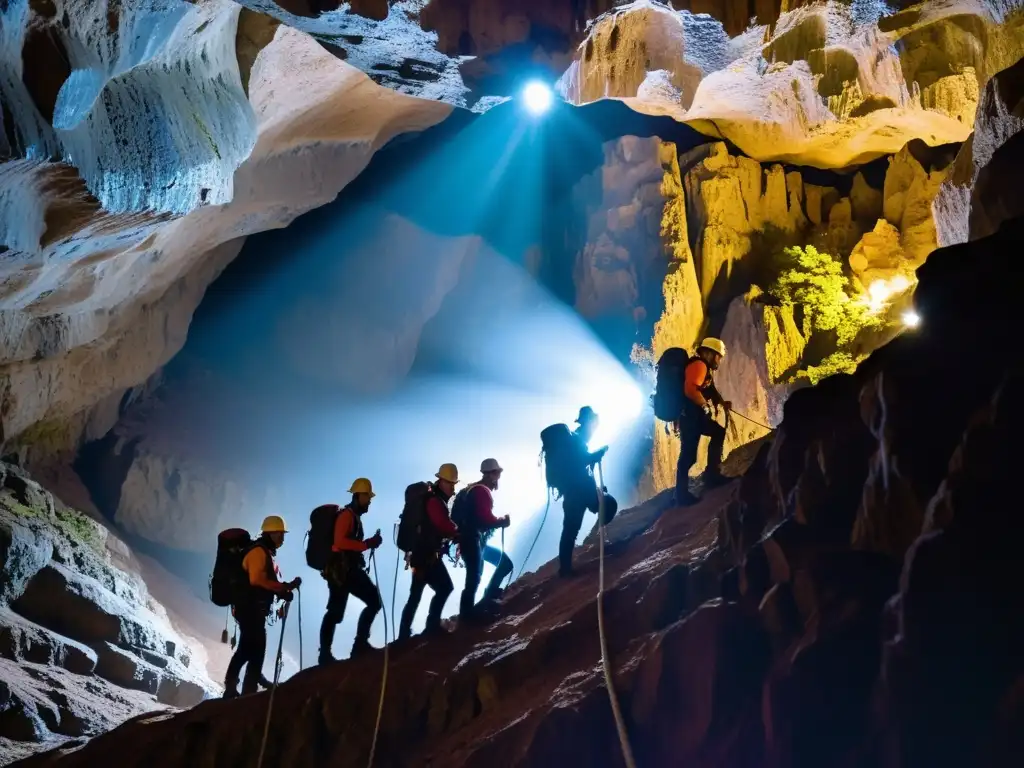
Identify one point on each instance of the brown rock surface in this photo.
(773, 647)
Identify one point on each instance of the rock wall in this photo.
(114, 301)
(843, 603)
(83, 645)
(827, 84)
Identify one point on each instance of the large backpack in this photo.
(668, 394)
(229, 581)
(557, 449)
(462, 510)
(414, 515)
(320, 537)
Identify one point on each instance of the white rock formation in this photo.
(92, 304)
(831, 85)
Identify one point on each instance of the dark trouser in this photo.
(574, 506)
(252, 648)
(436, 577)
(692, 426)
(475, 555)
(353, 581)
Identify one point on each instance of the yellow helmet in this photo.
(362, 485)
(448, 472)
(715, 345)
(273, 524)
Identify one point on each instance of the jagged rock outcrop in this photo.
(83, 646)
(768, 625)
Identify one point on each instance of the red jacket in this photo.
(483, 504)
(437, 511)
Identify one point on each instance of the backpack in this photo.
(462, 510)
(320, 537)
(668, 394)
(229, 581)
(414, 513)
(557, 451)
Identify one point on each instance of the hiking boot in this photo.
(436, 630)
(230, 689)
(686, 499)
(713, 479)
(493, 595)
(361, 648)
(264, 683)
(326, 658)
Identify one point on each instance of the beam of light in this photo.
(911, 319)
(537, 97)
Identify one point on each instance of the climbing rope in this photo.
(620, 724)
(384, 677)
(273, 688)
(536, 538)
(752, 421)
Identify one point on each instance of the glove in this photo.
(374, 541)
(295, 583)
(506, 521)
(287, 596)
(727, 405)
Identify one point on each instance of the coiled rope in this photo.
(606, 663)
(384, 676)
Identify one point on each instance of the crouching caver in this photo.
(701, 404)
(346, 573)
(473, 512)
(253, 607)
(425, 558)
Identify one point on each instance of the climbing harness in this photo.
(620, 725)
(273, 688)
(384, 677)
(536, 538)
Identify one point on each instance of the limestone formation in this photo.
(116, 303)
(827, 84)
(78, 626)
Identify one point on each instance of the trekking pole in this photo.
(273, 689)
(606, 663)
(394, 585)
(502, 558)
(752, 421)
(536, 538)
(299, 591)
(384, 677)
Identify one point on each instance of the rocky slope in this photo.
(853, 599)
(83, 644)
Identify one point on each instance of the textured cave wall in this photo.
(114, 300)
(827, 84)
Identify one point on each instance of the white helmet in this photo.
(490, 465)
(715, 345)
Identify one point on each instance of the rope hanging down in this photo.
(606, 663)
(529, 552)
(384, 677)
(298, 591)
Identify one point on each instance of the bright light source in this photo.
(911, 319)
(619, 401)
(537, 97)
